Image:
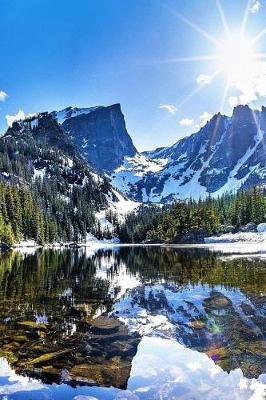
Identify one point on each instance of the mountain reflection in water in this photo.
(132, 323)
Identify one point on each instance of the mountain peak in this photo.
(99, 133)
(242, 113)
(227, 154)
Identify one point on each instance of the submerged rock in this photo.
(47, 357)
(217, 300)
(98, 352)
(33, 325)
(105, 326)
(112, 372)
(197, 324)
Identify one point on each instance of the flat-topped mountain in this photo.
(99, 133)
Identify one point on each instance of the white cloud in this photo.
(203, 79)
(3, 95)
(197, 123)
(17, 117)
(179, 362)
(247, 97)
(233, 101)
(186, 122)
(251, 86)
(255, 6)
(204, 118)
(20, 116)
(169, 107)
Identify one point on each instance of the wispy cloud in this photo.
(204, 79)
(255, 6)
(169, 107)
(197, 123)
(204, 118)
(186, 122)
(3, 95)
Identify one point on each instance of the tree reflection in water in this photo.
(77, 318)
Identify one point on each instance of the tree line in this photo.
(21, 217)
(192, 220)
(46, 194)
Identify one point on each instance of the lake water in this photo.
(132, 323)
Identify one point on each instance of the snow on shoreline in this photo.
(240, 237)
(241, 243)
(30, 246)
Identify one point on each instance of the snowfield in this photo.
(71, 112)
(133, 170)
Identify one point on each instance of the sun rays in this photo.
(235, 56)
(198, 88)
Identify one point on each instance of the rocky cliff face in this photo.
(99, 133)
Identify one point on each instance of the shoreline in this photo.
(250, 244)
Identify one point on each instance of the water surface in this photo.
(132, 323)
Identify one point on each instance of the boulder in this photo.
(227, 229)
(197, 324)
(250, 227)
(105, 326)
(216, 301)
(261, 227)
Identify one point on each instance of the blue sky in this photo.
(99, 52)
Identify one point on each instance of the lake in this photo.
(132, 323)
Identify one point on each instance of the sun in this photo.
(236, 57)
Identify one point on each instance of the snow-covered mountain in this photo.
(227, 154)
(37, 153)
(101, 136)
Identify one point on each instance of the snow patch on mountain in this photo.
(234, 183)
(120, 204)
(70, 112)
(133, 170)
(38, 173)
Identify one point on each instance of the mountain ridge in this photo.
(225, 155)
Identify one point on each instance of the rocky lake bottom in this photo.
(132, 323)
